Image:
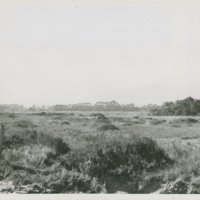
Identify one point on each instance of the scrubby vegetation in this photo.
(99, 153)
(90, 170)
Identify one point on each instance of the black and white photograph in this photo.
(99, 97)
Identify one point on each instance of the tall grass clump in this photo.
(55, 142)
(33, 137)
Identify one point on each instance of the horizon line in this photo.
(93, 103)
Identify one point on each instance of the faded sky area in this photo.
(61, 52)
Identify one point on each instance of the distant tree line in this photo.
(187, 106)
(99, 106)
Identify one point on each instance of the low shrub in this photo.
(97, 115)
(191, 120)
(60, 146)
(107, 127)
(157, 121)
(14, 141)
(127, 124)
(34, 137)
(182, 120)
(139, 121)
(125, 162)
(12, 115)
(149, 151)
(136, 117)
(58, 117)
(42, 114)
(103, 119)
(55, 142)
(65, 123)
(72, 181)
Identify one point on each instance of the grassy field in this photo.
(108, 152)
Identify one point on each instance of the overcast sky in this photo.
(63, 51)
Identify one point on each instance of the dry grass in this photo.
(46, 141)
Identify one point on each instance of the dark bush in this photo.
(34, 137)
(191, 120)
(183, 120)
(103, 119)
(151, 153)
(60, 146)
(136, 117)
(107, 127)
(12, 115)
(157, 121)
(14, 141)
(139, 121)
(65, 123)
(97, 115)
(125, 162)
(50, 159)
(55, 142)
(42, 113)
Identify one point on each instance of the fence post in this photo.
(2, 137)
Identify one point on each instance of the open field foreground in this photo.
(89, 152)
